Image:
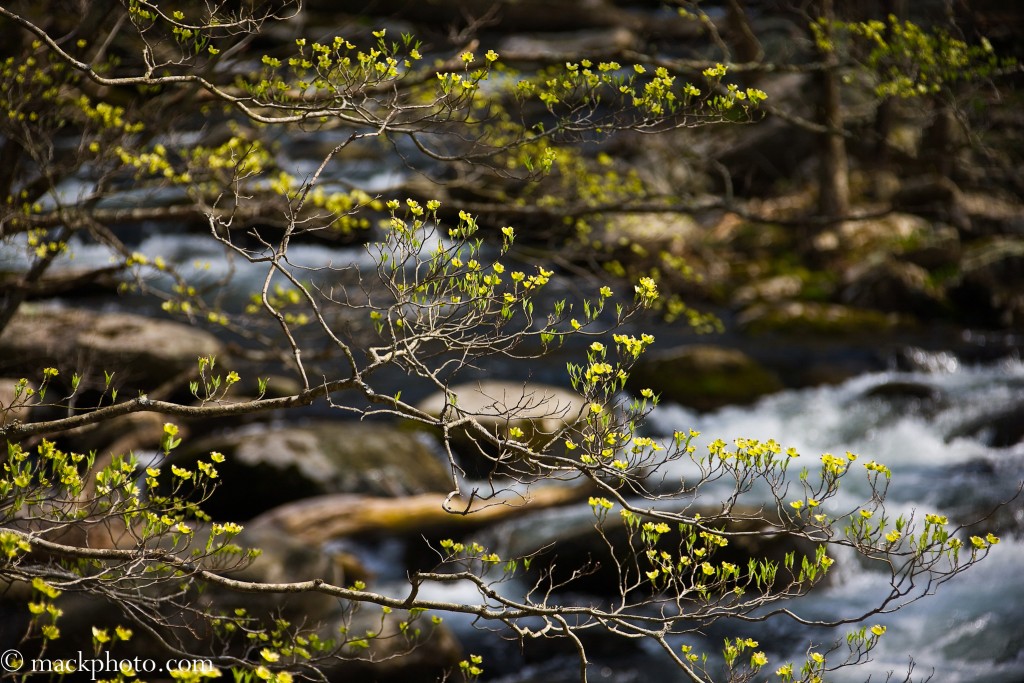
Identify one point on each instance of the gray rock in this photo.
(938, 247)
(571, 542)
(502, 404)
(15, 406)
(773, 289)
(649, 234)
(885, 233)
(143, 352)
(267, 467)
(1002, 427)
(579, 44)
(992, 214)
(540, 411)
(903, 391)
(936, 198)
(892, 286)
(990, 289)
(509, 15)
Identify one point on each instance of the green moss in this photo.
(818, 319)
(705, 377)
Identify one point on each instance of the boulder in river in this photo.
(773, 289)
(990, 288)
(540, 411)
(899, 391)
(892, 286)
(997, 427)
(421, 652)
(571, 545)
(808, 318)
(66, 282)
(704, 377)
(144, 353)
(267, 467)
(529, 47)
(394, 655)
(651, 232)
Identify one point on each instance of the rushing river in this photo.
(941, 430)
(947, 455)
(951, 434)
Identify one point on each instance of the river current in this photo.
(945, 439)
(946, 457)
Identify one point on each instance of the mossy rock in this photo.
(776, 288)
(800, 319)
(704, 377)
(895, 231)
